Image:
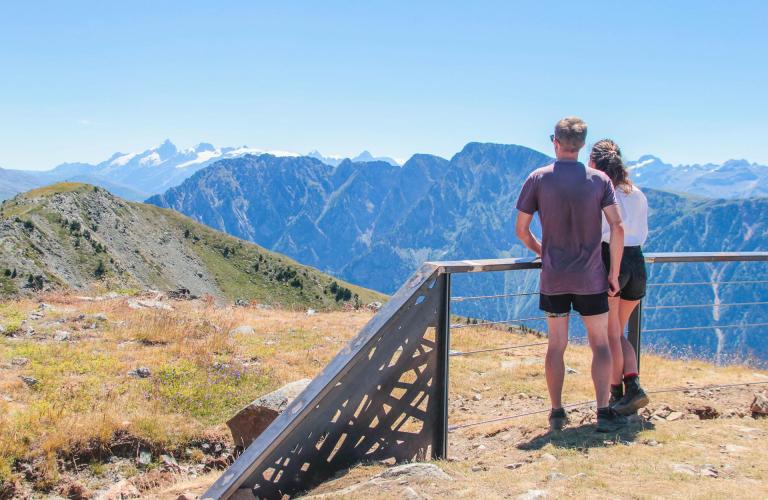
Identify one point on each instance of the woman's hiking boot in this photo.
(610, 421)
(558, 419)
(634, 397)
(617, 392)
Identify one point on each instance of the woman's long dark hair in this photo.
(606, 156)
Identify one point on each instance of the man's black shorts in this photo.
(586, 305)
(632, 273)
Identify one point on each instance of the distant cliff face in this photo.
(373, 224)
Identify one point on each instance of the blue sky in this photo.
(79, 81)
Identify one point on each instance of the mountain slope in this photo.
(81, 236)
(732, 179)
(374, 226)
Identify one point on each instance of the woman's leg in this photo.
(629, 360)
(614, 339)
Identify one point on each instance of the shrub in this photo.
(186, 233)
(7, 272)
(256, 267)
(100, 270)
(13, 274)
(74, 226)
(29, 225)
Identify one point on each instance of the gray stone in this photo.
(97, 316)
(263, 306)
(513, 466)
(684, 469)
(409, 494)
(20, 361)
(708, 473)
(416, 471)
(311, 312)
(120, 491)
(29, 380)
(252, 420)
(145, 458)
(170, 461)
(533, 495)
(61, 336)
(548, 456)
(242, 303)
(140, 372)
(571, 371)
(557, 476)
(242, 330)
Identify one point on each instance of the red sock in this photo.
(631, 375)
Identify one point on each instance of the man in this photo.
(570, 198)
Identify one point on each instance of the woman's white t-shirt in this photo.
(633, 207)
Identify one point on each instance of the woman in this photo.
(606, 156)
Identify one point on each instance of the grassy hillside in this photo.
(85, 423)
(82, 237)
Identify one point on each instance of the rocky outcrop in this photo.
(252, 420)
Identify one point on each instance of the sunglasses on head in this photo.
(552, 137)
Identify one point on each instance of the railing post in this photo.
(635, 330)
(443, 340)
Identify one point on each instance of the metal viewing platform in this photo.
(396, 369)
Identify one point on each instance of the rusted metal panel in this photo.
(377, 399)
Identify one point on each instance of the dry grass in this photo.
(201, 374)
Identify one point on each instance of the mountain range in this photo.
(136, 176)
(84, 238)
(373, 224)
(732, 179)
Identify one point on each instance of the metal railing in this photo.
(635, 325)
(396, 370)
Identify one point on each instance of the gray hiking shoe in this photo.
(610, 421)
(558, 419)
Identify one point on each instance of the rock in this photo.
(476, 468)
(20, 361)
(533, 495)
(708, 473)
(581, 475)
(148, 304)
(121, 490)
(513, 466)
(310, 312)
(416, 471)
(242, 303)
(506, 437)
(409, 494)
(170, 461)
(548, 456)
(684, 469)
(187, 496)
(732, 448)
(571, 371)
(760, 403)
(653, 443)
(140, 372)
(61, 336)
(145, 458)
(557, 476)
(675, 415)
(96, 317)
(263, 306)
(29, 380)
(477, 397)
(242, 330)
(252, 420)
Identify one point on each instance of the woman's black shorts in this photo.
(632, 274)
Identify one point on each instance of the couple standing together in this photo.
(593, 224)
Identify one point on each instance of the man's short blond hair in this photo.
(571, 133)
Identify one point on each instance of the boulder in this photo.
(19, 361)
(416, 471)
(28, 380)
(533, 495)
(61, 336)
(760, 404)
(252, 420)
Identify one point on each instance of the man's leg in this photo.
(554, 366)
(602, 362)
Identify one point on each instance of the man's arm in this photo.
(523, 231)
(613, 217)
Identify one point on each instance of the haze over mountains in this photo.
(136, 176)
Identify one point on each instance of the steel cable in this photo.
(462, 353)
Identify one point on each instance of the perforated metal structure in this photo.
(383, 396)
